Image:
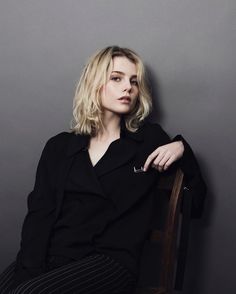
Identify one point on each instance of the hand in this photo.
(162, 157)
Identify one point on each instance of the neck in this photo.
(111, 128)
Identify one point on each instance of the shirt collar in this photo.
(80, 142)
(125, 133)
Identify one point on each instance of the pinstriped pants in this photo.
(96, 273)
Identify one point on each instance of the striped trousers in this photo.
(96, 273)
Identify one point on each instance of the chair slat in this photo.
(172, 184)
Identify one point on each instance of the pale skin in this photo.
(123, 82)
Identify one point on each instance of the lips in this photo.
(125, 98)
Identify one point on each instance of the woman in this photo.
(89, 211)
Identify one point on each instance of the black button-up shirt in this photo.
(118, 222)
(84, 212)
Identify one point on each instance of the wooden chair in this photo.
(161, 263)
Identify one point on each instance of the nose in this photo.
(127, 86)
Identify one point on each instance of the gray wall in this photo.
(188, 47)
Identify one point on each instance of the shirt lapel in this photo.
(118, 153)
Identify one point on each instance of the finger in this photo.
(160, 168)
(157, 160)
(164, 159)
(150, 158)
(161, 160)
(157, 167)
(169, 162)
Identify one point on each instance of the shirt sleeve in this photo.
(194, 182)
(34, 225)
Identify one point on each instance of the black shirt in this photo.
(122, 212)
(84, 212)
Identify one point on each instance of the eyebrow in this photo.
(122, 73)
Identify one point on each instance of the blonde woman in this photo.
(89, 211)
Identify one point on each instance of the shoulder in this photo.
(60, 139)
(58, 142)
(154, 132)
(150, 127)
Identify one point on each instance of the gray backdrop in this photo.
(189, 48)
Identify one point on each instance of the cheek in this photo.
(102, 95)
(106, 90)
(137, 91)
(106, 94)
(102, 91)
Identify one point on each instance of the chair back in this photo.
(158, 261)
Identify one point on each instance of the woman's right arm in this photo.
(37, 221)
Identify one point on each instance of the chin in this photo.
(124, 111)
(119, 110)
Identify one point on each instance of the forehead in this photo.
(123, 64)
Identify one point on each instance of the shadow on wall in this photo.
(157, 112)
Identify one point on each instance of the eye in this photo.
(134, 82)
(115, 78)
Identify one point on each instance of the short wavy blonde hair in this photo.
(87, 108)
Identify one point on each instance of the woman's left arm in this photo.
(179, 152)
(162, 157)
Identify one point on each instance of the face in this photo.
(120, 93)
